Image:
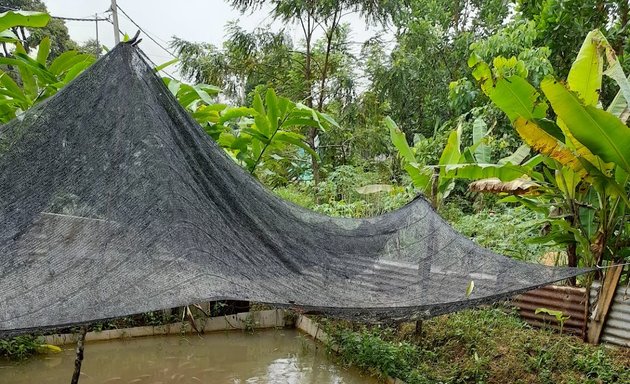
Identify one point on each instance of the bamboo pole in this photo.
(79, 359)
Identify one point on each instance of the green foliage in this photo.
(289, 10)
(420, 175)
(562, 24)
(37, 78)
(579, 189)
(154, 318)
(482, 150)
(438, 180)
(19, 347)
(535, 43)
(251, 135)
(31, 35)
(484, 345)
(369, 350)
(517, 40)
(340, 194)
(559, 315)
(12, 19)
(246, 60)
(431, 48)
(92, 47)
(600, 131)
(360, 137)
(506, 231)
(598, 367)
(318, 72)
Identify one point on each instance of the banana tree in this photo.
(585, 150)
(474, 162)
(11, 20)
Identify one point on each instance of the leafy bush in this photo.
(370, 351)
(19, 347)
(338, 195)
(506, 231)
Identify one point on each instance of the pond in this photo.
(273, 356)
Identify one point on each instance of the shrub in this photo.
(19, 347)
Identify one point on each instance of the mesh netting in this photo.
(114, 201)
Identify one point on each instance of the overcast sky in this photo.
(195, 20)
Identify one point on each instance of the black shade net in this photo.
(113, 201)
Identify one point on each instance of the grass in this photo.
(489, 345)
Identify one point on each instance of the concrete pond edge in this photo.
(267, 319)
(273, 318)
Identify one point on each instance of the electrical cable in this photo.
(56, 17)
(145, 32)
(77, 18)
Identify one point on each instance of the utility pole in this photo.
(114, 10)
(98, 44)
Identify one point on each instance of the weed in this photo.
(250, 323)
(19, 347)
(490, 345)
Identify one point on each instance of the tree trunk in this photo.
(308, 99)
(312, 136)
(624, 15)
(329, 38)
(572, 257)
(572, 260)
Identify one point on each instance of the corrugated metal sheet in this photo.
(571, 301)
(617, 327)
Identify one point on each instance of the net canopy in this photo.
(113, 201)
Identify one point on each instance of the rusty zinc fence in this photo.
(577, 305)
(571, 301)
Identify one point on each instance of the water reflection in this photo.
(233, 357)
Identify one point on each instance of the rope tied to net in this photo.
(612, 265)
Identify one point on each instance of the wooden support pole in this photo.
(418, 330)
(605, 298)
(79, 359)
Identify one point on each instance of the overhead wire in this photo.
(107, 19)
(145, 32)
(56, 17)
(78, 18)
(152, 39)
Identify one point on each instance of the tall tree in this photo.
(246, 60)
(562, 25)
(432, 41)
(327, 15)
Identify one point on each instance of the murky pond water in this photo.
(282, 356)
